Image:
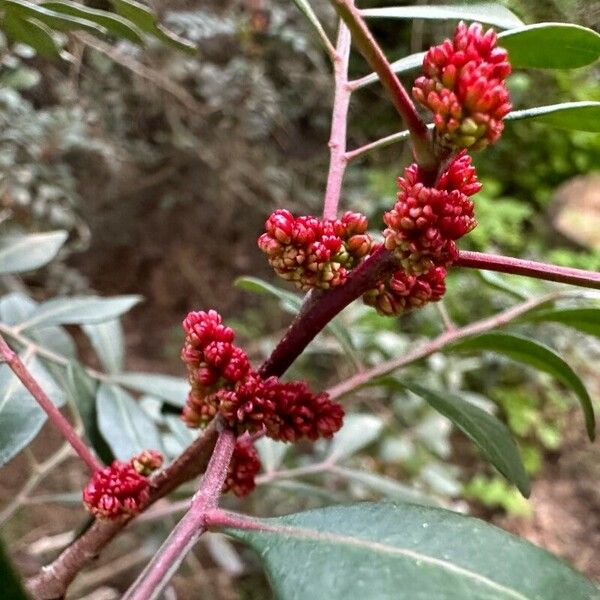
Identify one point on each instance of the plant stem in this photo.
(529, 268)
(339, 119)
(435, 345)
(322, 307)
(157, 574)
(12, 359)
(373, 54)
(53, 580)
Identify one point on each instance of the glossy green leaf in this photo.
(408, 63)
(20, 416)
(54, 20)
(586, 320)
(580, 116)
(484, 12)
(31, 32)
(146, 21)
(358, 432)
(292, 303)
(107, 340)
(551, 46)
(538, 356)
(27, 252)
(404, 552)
(79, 310)
(491, 436)
(113, 23)
(82, 390)
(496, 282)
(172, 389)
(124, 425)
(12, 589)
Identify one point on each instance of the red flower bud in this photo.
(116, 490)
(147, 461)
(464, 87)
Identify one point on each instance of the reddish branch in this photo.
(17, 366)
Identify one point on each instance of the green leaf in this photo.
(79, 310)
(82, 390)
(172, 389)
(306, 9)
(408, 63)
(292, 303)
(124, 425)
(271, 453)
(485, 12)
(21, 418)
(551, 46)
(496, 282)
(28, 252)
(538, 356)
(404, 552)
(581, 116)
(386, 486)
(107, 340)
(54, 20)
(114, 24)
(33, 33)
(358, 431)
(586, 320)
(489, 435)
(146, 21)
(11, 582)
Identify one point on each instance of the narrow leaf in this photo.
(408, 63)
(172, 389)
(551, 46)
(485, 12)
(54, 20)
(33, 33)
(490, 436)
(271, 453)
(357, 433)
(20, 416)
(27, 252)
(496, 282)
(306, 9)
(581, 116)
(586, 320)
(538, 356)
(107, 340)
(79, 310)
(404, 552)
(292, 303)
(82, 390)
(124, 425)
(145, 20)
(114, 24)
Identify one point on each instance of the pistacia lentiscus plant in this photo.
(368, 550)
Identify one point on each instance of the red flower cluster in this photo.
(402, 292)
(425, 221)
(223, 383)
(284, 411)
(243, 468)
(464, 87)
(213, 362)
(313, 252)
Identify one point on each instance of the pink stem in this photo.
(54, 415)
(157, 574)
(337, 140)
(529, 268)
(373, 54)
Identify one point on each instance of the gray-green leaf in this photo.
(124, 425)
(27, 252)
(404, 552)
(540, 357)
(489, 434)
(581, 116)
(172, 389)
(21, 418)
(586, 320)
(107, 340)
